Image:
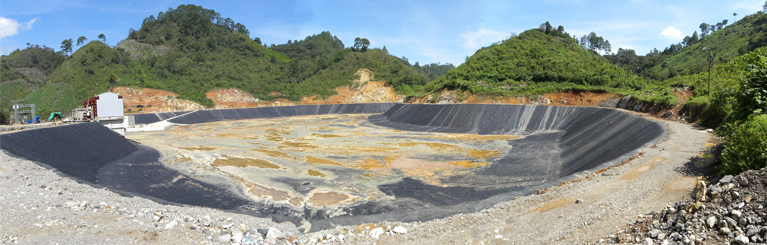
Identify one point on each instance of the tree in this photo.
(734, 17)
(102, 37)
(724, 22)
(66, 46)
(81, 40)
(258, 40)
(111, 78)
(548, 27)
(361, 44)
(703, 30)
(595, 43)
(764, 7)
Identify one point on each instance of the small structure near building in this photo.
(21, 112)
(107, 109)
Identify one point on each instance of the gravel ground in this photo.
(46, 208)
(729, 211)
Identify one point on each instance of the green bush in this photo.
(753, 96)
(746, 146)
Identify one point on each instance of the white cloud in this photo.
(672, 32)
(28, 24)
(482, 37)
(11, 27)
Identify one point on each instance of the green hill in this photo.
(741, 37)
(191, 50)
(689, 57)
(533, 63)
(24, 71)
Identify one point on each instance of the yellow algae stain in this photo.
(369, 163)
(199, 148)
(273, 137)
(316, 173)
(406, 163)
(473, 137)
(482, 154)
(298, 144)
(468, 164)
(282, 130)
(182, 159)
(232, 136)
(390, 159)
(440, 147)
(366, 149)
(314, 160)
(266, 192)
(271, 153)
(244, 162)
(326, 135)
(325, 128)
(305, 138)
(327, 198)
(296, 201)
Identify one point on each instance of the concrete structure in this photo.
(108, 111)
(109, 105)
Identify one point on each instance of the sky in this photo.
(443, 31)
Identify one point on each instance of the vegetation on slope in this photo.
(690, 57)
(746, 129)
(537, 62)
(23, 71)
(191, 50)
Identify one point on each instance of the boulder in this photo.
(375, 233)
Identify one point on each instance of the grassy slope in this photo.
(384, 67)
(191, 59)
(534, 63)
(741, 37)
(22, 72)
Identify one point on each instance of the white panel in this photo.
(108, 105)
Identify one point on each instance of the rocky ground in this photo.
(728, 211)
(43, 207)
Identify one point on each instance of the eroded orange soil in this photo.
(146, 100)
(362, 90)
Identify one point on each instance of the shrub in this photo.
(746, 146)
(753, 96)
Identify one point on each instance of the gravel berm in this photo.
(45, 207)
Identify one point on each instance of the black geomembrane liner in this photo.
(557, 143)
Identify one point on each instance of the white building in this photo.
(109, 112)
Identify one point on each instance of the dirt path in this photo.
(581, 212)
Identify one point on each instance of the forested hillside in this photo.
(689, 57)
(191, 50)
(534, 62)
(24, 71)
